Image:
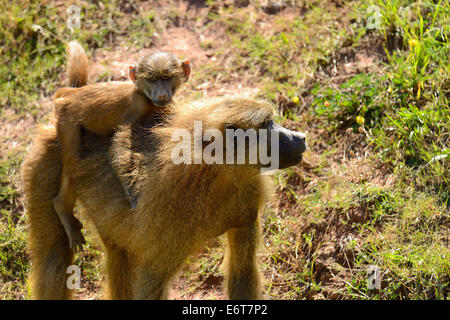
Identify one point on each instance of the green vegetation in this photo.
(368, 82)
(406, 108)
(33, 44)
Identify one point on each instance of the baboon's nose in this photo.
(291, 145)
(300, 141)
(162, 97)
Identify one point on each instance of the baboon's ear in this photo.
(132, 73)
(186, 66)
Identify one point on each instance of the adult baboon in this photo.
(181, 205)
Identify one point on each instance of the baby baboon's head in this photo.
(159, 75)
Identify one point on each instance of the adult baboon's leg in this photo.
(120, 269)
(243, 280)
(152, 281)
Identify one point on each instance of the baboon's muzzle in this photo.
(161, 93)
(292, 144)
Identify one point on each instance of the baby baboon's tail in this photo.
(76, 64)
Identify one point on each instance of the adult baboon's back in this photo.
(179, 208)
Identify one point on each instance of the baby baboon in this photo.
(100, 108)
(180, 206)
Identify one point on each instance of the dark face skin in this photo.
(292, 144)
(160, 91)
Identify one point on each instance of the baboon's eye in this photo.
(230, 126)
(265, 124)
(163, 78)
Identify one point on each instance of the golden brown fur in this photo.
(100, 108)
(77, 65)
(155, 67)
(180, 207)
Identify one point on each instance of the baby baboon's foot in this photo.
(76, 238)
(76, 241)
(71, 225)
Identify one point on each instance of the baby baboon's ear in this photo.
(132, 73)
(186, 66)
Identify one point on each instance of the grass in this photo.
(410, 248)
(405, 108)
(368, 81)
(401, 231)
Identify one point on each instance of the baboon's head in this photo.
(159, 75)
(271, 138)
(233, 130)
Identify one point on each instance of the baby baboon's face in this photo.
(159, 75)
(160, 91)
